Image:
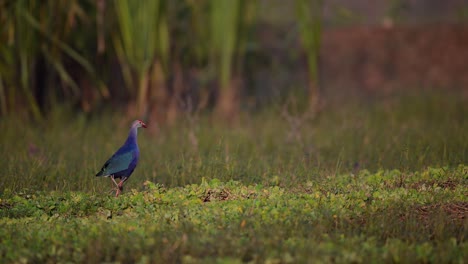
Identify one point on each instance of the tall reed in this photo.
(142, 33)
(309, 18)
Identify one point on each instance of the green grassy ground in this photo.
(382, 181)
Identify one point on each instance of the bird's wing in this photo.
(118, 162)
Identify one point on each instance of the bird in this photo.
(124, 161)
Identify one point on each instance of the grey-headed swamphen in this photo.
(125, 159)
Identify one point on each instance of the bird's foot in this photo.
(117, 190)
(118, 186)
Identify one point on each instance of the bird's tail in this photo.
(102, 172)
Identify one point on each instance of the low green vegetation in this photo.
(361, 182)
(387, 215)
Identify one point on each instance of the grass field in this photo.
(380, 181)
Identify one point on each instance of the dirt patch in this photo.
(4, 205)
(447, 184)
(217, 195)
(457, 211)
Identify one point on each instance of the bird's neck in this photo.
(132, 136)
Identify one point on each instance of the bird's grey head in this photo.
(138, 123)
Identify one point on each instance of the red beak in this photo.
(143, 124)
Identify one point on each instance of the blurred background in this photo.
(157, 60)
(263, 91)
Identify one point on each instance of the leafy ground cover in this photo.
(384, 182)
(388, 216)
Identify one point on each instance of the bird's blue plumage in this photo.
(125, 159)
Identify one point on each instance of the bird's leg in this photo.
(114, 189)
(112, 177)
(112, 186)
(120, 185)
